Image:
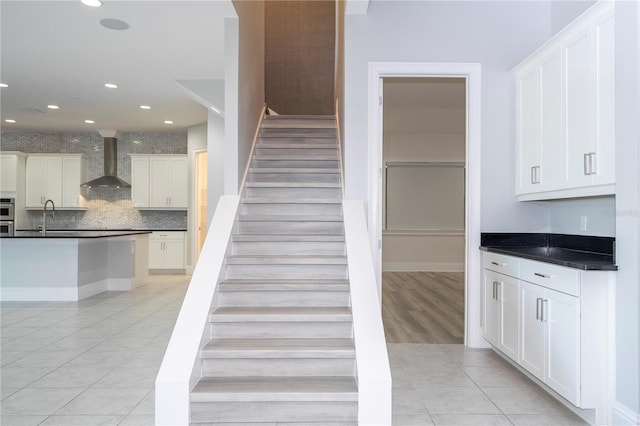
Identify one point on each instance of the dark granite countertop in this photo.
(68, 233)
(574, 251)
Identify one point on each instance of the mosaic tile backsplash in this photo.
(106, 208)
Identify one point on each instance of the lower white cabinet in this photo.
(167, 250)
(550, 338)
(500, 325)
(552, 322)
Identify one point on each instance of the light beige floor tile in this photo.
(138, 420)
(146, 406)
(470, 419)
(81, 377)
(415, 419)
(473, 357)
(457, 400)
(406, 400)
(545, 420)
(19, 377)
(96, 401)
(94, 357)
(38, 401)
(524, 401)
(497, 375)
(129, 377)
(6, 420)
(82, 420)
(7, 392)
(415, 358)
(47, 358)
(8, 357)
(449, 376)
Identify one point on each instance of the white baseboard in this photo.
(423, 267)
(623, 415)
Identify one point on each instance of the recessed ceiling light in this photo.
(145, 107)
(111, 85)
(216, 110)
(9, 120)
(92, 3)
(168, 122)
(4, 85)
(114, 24)
(53, 106)
(89, 121)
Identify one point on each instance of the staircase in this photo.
(281, 348)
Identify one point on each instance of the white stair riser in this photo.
(295, 177)
(273, 227)
(277, 248)
(284, 298)
(288, 192)
(314, 272)
(332, 209)
(252, 367)
(315, 164)
(282, 330)
(269, 411)
(311, 152)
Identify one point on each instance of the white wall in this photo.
(626, 404)
(563, 12)
(496, 34)
(215, 162)
(566, 216)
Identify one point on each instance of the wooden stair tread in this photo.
(275, 389)
(286, 260)
(288, 237)
(279, 348)
(280, 314)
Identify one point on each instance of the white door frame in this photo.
(473, 271)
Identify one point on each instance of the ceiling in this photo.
(57, 52)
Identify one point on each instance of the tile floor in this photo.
(94, 362)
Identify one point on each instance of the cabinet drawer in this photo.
(163, 235)
(555, 277)
(507, 265)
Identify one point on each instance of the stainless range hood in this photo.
(109, 180)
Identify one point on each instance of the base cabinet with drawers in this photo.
(167, 250)
(552, 321)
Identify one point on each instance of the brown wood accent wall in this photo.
(300, 56)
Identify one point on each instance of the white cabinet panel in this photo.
(167, 250)
(159, 181)
(551, 167)
(500, 322)
(44, 180)
(492, 310)
(532, 330)
(74, 174)
(528, 131)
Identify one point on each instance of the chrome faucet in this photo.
(44, 215)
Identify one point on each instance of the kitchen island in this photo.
(71, 265)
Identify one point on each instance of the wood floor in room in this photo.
(423, 307)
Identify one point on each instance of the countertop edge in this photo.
(569, 264)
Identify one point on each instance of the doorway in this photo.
(423, 238)
(201, 201)
(470, 73)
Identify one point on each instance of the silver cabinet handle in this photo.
(533, 174)
(585, 164)
(537, 274)
(538, 303)
(495, 263)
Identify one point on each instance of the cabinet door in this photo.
(491, 308)
(551, 150)
(140, 181)
(36, 170)
(508, 294)
(54, 180)
(604, 161)
(532, 329)
(73, 175)
(528, 135)
(156, 253)
(174, 254)
(179, 183)
(159, 181)
(578, 100)
(561, 315)
(8, 173)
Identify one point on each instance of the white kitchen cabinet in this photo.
(500, 322)
(565, 109)
(159, 181)
(12, 166)
(167, 250)
(560, 316)
(55, 177)
(550, 338)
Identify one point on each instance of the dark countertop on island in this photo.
(68, 233)
(587, 253)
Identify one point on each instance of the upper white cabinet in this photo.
(12, 166)
(55, 177)
(159, 181)
(565, 112)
